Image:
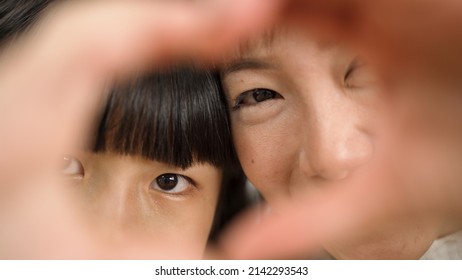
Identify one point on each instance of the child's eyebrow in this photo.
(245, 64)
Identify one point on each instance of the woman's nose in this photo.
(335, 142)
(335, 158)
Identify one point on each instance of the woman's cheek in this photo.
(265, 158)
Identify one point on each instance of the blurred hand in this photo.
(52, 82)
(412, 37)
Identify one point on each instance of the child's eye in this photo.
(72, 167)
(255, 96)
(171, 183)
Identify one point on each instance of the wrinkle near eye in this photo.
(360, 75)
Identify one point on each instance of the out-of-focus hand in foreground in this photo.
(411, 35)
(52, 81)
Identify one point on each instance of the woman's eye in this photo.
(359, 75)
(255, 96)
(171, 183)
(72, 167)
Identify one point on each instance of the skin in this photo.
(408, 195)
(319, 129)
(77, 44)
(430, 130)
(425, 156)
(58, 122)
(132, 200)
(325, 125)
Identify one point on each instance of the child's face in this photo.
(303, 113)
(165, 203)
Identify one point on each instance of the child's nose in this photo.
(115, 203)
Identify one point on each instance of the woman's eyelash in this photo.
(254, 96)
(239, 99)
(354, 65)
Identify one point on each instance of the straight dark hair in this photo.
(177, 117)
(18, 15)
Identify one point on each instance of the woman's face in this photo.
(302, 114)
(306, 116)
(127, 193)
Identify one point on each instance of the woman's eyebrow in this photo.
(245, 64)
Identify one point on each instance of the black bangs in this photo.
(177, 117)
